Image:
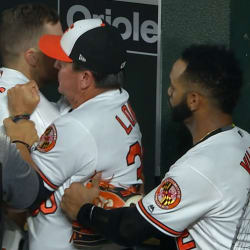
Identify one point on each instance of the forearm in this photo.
(43, 193)
(20, 181)
(22, 186)
(124, 226)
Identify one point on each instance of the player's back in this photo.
(117, 136)
(100, 135)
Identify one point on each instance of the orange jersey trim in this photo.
(158, 223)
(45, 179)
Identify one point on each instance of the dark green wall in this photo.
(184, 23)
(240, 43)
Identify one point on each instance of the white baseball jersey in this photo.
(200, 200)
(100, 135)
(44, 114)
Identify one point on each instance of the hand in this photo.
(23, 130)
(23, 98)
(77, 195)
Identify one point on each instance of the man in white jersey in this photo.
(99, 134)
(203, 197)
(22, 60)
(20, 30)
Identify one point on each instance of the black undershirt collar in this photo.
(217, 131)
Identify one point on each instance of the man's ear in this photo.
(86, 79)
(194, 100)
(31, 56)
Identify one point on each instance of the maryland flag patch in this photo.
(168, 194)
(48, 139)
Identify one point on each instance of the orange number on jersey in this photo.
(135, 150)
(187, 245)
(47, 209)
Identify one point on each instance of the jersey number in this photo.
(135, 150)
(188, 244)
(45, 208)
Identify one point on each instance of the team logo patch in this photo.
(168, 194)
(48, 139)
(2, 89)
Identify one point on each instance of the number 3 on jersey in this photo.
(47, 207)
(135, 150)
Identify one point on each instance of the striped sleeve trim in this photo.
(158, 223)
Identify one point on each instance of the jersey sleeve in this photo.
(66, 149)
(183, 196)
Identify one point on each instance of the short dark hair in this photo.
(217, 70)
(22, 26)
(103, 80)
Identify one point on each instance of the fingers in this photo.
(96, 180)
(32, 85)
(7, 122)
(23, 98)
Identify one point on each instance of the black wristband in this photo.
(84, 215)
(24, 143)
(17, 118)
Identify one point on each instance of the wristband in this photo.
(85, 214)
(17, 118)
(24, 143)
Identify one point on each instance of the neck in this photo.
(200, 128)
(86, 96)
(21, 66)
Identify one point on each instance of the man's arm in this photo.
(22, 187)
(24, 134)
(20, 181)
(124, 226)
(22, 101)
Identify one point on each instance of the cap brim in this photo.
(51, 47)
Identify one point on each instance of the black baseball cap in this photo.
(90, 42)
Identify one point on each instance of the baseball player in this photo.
(21, 59)
(204, 195)
(101, 132)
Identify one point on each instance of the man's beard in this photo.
(180, 112)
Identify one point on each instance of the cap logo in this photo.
(82, 58)
(123, 65)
